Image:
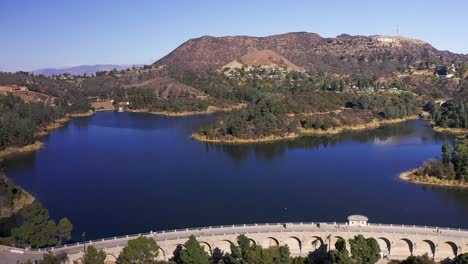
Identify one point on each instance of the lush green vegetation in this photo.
(452, 166)
(424, 259)
(36, 229)
(140, 98)
(139, 250)
(387, 106)
(9, 193)
(19, 121)
(93, 256)
(270, 114)
(363, 250)
(452, 114)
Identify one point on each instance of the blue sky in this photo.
(47, 33)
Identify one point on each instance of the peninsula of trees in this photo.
(451, 170)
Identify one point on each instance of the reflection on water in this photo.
(120, 173)
(395, 134)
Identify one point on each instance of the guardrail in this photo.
(318, 225)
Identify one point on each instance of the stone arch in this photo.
(317, 243)
(269, 242)
(225, 245)
(162, 253)
(385, 244)
(294, 244)
(110, 257)
(425, 247)
(253, 243)
(447, 249)
(334, 240)
(403, 248)
(206, 246)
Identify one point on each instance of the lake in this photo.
(122, 173)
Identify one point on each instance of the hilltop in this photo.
(344, 55)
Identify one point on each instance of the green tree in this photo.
(461, 259)
(36, 229)
(139, 250)
(446, 154)
(64, 228)
(364, 251)
(93, 256)
(194, 253)
(340, 255)
(424, 259)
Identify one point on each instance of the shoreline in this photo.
(210, 110)
(202, 138)
(17, 204)
(13, 151)
(456, 131)
(305, 132)
(408, 176)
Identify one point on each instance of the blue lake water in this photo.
(121, 173)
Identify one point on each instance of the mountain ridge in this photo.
(344, 54)
(82, 69)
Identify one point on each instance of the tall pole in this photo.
(84, 243)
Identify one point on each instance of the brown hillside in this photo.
(166, 87)
(266, 59)
(344, 54)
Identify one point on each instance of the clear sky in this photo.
(47, 33)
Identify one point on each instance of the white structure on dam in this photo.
(396, 241)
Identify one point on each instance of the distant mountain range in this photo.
(82, 69)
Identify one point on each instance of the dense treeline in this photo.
(387, 106)
(140, 98)
(270, 114)
(19, 121)
(33, 227)
(452, 114)
(452, 166)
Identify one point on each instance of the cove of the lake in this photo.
(122, 173)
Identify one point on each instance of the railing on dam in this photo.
(294, 227)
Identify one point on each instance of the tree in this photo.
(64, 229)
(364, 251)
(283, 255)
(93, 256)
(446, 154)
(194, 253)
(217, 256)
(340, 255)
(139, 250)
(461, 259)
(424, 259)
(36, 229)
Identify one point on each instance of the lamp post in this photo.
(84, 243)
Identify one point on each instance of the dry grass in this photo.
(411, 177)
(20, 150)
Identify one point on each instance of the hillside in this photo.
(344, 55)
(267, 59)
